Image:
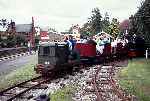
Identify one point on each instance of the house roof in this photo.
(24, 28)
(66, 33)
(44, 28)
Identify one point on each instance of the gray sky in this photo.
(61, 14)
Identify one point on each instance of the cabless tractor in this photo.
(52, 57)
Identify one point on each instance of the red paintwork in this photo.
(107, 50)
(86, 50)
(44, 34)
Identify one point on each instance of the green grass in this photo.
(23, 73)
(63, 94)
(135, 78)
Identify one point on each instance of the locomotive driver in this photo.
(74, 57)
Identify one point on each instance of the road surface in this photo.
(9, 65)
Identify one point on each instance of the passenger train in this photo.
(56, 56)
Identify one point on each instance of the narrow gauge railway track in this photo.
(36, 82)
(105, 86)
(11, 93)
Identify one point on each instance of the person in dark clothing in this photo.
(91, 42)
(74, 57)
(71, 41)
(66, 38)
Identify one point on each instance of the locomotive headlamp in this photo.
(46, 62)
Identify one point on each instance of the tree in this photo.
(140, 22)
(93, 25)
(20, 40)
(86, 29)
(132, 27)
(114, 28)
(70, 29)
(95, 21)
(106, 23)
(13, 40)
(4, 23)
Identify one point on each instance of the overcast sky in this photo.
(61, 14)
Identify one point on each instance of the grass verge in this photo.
(63, 94)
(135, 78)
(21, 74)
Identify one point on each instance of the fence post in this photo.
(146, 53)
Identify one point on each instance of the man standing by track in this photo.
(29, 47)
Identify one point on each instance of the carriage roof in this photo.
(52, 43)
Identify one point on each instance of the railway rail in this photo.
(12, 93)
(105, 87)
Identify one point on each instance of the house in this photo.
(74, 32)
(27, 31)
(50, 35)
(6, 28)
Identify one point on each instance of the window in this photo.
(46, 50)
